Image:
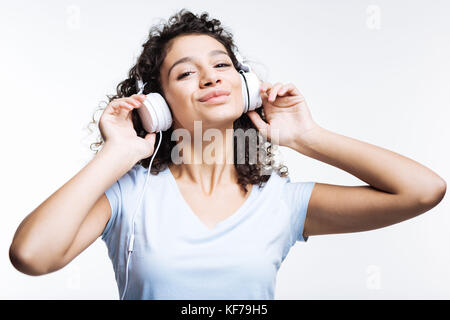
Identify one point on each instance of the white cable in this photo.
(131, 242)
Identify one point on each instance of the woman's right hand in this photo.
(116, 127)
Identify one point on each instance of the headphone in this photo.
(156, 117)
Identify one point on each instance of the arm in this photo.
(399, 188)
(45, 237)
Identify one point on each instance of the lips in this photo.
(214, 93)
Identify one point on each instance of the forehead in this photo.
(190, 45)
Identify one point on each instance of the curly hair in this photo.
(147, 69)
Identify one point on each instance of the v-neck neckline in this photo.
(219, 224)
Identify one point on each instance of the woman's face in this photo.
(207, 68)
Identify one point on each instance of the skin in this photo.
(73, 217)
(398, 188)
(204, 185)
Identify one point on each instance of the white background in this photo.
(377, 71)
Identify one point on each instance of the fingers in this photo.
(274, 91)
(127, 103)
(265, 86)
(118, 105)
(288, 88)
(278, 89)
(270, 90)
(259, 123)
(139, 97)
(135, 99)
(151, 137)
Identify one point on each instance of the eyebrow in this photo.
(186, 59)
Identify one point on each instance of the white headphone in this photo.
(155, 116)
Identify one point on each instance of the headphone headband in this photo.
(241, 64)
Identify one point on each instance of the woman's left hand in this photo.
(287, 115)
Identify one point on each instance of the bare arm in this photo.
(43, 239)
(399, 188)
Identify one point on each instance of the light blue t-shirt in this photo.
(176, 256)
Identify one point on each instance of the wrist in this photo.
(123, 156)
(304, 140)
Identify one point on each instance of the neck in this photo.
(206, 158)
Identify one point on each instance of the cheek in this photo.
(238, 94)
(180, 102)
(178, 97)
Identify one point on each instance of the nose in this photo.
(210, 79)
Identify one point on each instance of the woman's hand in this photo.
(116, 127)
(287, 114)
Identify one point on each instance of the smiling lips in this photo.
(215, 96)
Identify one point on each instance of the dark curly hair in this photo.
(147, 69)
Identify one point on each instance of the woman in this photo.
(220, 230)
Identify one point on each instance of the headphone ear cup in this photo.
(250, 91)
(168, 116)
(155, 113)
(163, 112)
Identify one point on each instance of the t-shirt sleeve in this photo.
(114, 196)
(296, 196)
(120, 194)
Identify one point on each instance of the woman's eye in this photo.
(181, 76)
(223, 64)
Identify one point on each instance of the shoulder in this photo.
(289, 190)
(274, 186)
(137, 175)
(276, 180)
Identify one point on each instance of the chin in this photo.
(220, 116)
